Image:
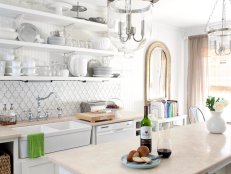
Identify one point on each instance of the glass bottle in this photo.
(146, 130)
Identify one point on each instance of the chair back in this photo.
(195, 115)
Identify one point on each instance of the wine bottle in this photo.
(146, 130)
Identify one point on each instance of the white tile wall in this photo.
(69, 95)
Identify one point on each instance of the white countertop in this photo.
(6, 132)
(195, 150)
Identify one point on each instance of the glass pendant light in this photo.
(129, 23)
(219, 33)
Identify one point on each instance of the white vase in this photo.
(216, 124)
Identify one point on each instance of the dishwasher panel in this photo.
(115, 131)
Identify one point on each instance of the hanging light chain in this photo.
(224, 14)
(211, 14)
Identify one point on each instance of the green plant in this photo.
(211, 101)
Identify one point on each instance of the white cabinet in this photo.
(38, 166)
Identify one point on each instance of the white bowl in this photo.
(56, 40)
(7, 29)
(8, 35)
(102, 43)
(13, 70)
(13, 63)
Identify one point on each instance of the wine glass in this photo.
(164, 144)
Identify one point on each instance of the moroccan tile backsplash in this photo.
(68, 96)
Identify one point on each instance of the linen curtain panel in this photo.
(197, 71)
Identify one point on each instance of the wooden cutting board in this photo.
(95, 117)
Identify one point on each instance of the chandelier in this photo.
(129, 23)
(219, 33)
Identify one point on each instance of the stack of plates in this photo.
(102, 71)
(55, 40)
(8, 33)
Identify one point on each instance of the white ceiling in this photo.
(182, 13)
(188, 13)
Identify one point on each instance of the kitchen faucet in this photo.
(39, 106)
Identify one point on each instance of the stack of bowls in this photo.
(101, 43)
(102, 71)
(29, 68)
(7, 30)
(56, 40)
(8, 33)
(13, 68)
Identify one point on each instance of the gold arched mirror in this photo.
(157, 72)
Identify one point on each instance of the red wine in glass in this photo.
(164, 152)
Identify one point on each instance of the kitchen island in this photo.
(194, 150)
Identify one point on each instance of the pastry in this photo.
(143, 151)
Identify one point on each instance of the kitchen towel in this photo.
(35, 145)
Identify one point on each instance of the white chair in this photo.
(195, 115)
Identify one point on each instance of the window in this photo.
(219, 80)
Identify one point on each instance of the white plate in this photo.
(102, 75)
(28, 32)
(12, 74)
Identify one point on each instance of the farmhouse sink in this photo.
(67, 125)
(57, 136)
(34, 129)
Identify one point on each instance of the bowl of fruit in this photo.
(114, 108)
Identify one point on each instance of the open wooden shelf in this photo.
(50, 18)
(14, 44)
(39, 78)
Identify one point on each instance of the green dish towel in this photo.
(35, 145)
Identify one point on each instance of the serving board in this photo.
(95, 117)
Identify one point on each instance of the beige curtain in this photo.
(197, 71)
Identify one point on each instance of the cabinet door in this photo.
(63, 171)
(38, 166)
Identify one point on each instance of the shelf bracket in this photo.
(37, 81)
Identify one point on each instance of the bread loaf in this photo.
(143, 151)
(139, 156)
(146, 159)
(132, 154)
(138, 160)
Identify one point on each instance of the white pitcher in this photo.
(78, 65)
